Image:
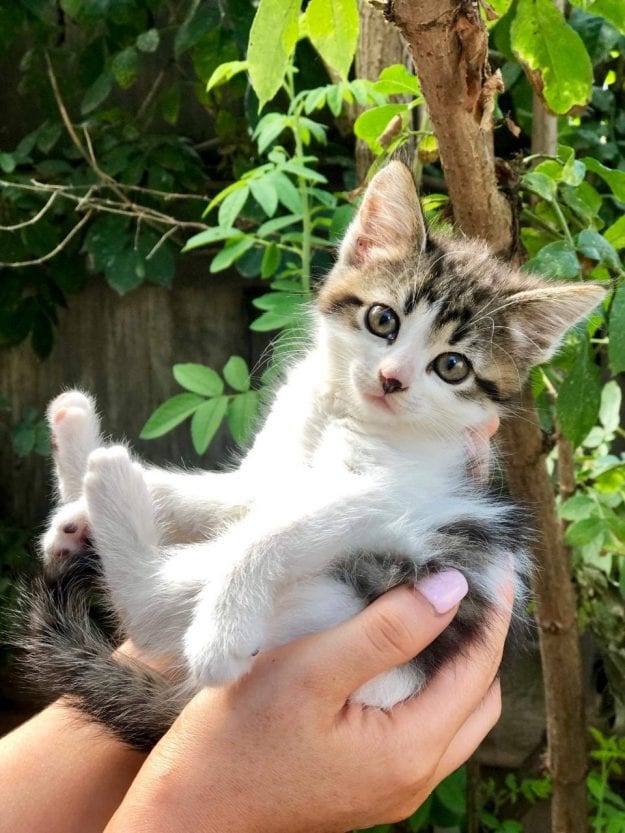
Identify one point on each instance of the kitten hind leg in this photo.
(75, 430)
(126, 538)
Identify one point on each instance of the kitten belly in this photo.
(325, 601)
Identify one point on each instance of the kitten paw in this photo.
(69, 399)
(220, 649)
(75, 433)
(391, 687)
(67, 535)
(118, 501)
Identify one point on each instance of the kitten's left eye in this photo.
(383, 322)
(451, 367)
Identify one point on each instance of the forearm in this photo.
(61, 774)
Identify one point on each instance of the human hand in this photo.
(282, 749)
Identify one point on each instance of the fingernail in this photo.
(443, 590)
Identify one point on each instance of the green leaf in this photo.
(370, 125)
(611, 10)
(616, 233)
(231, 207)
(96, 93)
(148, 41)
(200, 20)
(271, 261)
(613, 178)
(211, 235)
(236, 373)
(541, 184)
(264, 192)
(206, 421)
(452, 792)
(616, 348)
(272, 40)
(577, 508)
(224, 72)
(169, 414)
(242, 415)
(585, 531)
(555, 260)
(396, 80)
(198, 379)
(573, 172)
(23, 439)
(595, 247)
(269, 321)
(124, 67)
(126, 270)
(271, 226)
(231, 252)
(7, 163)
(579, 397)
(332, 26)
(553, 55)
(288, 194)
(609, 413)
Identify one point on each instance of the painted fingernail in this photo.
(443, 590)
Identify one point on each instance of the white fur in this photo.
(211, 568)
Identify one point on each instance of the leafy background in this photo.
(149, 132)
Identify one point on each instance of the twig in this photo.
(54, 252)
(150, 96)
(61, 107)
(158, 245)
(36, 217)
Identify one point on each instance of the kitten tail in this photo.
(65, 654)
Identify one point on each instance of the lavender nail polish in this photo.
(443, 590)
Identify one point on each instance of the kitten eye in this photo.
(451, 367)
(383, 322)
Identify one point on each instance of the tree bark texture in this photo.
(449, 45)
(556, 615)
(379, 45)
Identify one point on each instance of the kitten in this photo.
(358, 481)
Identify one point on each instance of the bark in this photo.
(556, 619)
(379, 45)
(556, 612)
(449, 44)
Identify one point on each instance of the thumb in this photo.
(389, 632)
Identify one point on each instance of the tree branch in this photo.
(449, 46)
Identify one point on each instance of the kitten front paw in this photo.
(220, 644)
(68, 535)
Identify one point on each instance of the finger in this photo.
(471, 733)
(391, 631)
(459, 687)
(478, 446)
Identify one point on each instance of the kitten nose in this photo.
(390, 385)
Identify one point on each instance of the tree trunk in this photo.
(379, 45)
(449, 45)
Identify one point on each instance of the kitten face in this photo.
(397, 354)
(433, 333)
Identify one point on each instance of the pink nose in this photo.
(389, 384)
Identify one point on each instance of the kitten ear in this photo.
(389, 224)
(540, 317)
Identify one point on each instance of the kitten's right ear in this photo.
(389, 224)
